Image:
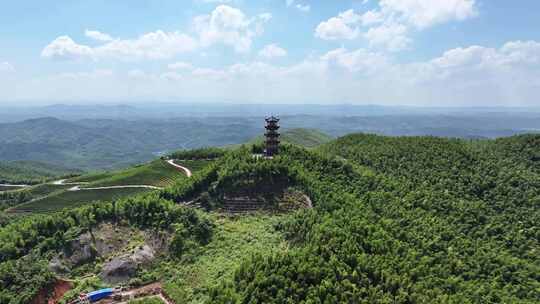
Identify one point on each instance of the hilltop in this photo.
(308, 138)
(389, 219)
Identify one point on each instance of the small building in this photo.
(271, 136)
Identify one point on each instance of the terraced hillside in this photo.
(97, 186)
(156, 173)
(73, 199)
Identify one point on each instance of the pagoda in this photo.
(271, 136)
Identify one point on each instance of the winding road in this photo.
(14, 186)
(172, 163)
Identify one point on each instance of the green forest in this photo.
(394, 220)
(31, 172)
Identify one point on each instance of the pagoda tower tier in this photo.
(271, 136)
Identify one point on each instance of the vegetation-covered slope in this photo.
(395, 220)
(53, 197)
(156, 173)
(308, 138)
(31, 172)
(96, 144)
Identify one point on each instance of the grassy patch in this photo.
(92, 177)
(73, 199)
(234, 239)
(193, 165)
(149, 300)
(46, 189)
(157, 173)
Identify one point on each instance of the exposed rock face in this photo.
(56, 265)
(106, 241)
(81, 250)
(121, 268)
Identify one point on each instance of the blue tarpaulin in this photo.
(99, 294)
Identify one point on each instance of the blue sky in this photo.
(391, 52)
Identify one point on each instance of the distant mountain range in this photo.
(107, 143)
(156, 110)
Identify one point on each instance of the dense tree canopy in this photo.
(395, 220)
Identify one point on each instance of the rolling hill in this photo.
(391, 220)
(308, 138)
(109, 140)
(102, 186)
(113, 144)
(31, 172)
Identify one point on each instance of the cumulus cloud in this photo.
(153, 45)
(426, 13)
(389, 25)
(272, 51)
(97, 35)
(65, 47)
(364, 76)
(230, 26)
(392, 36)
(474, 75)
(341, 27)
(512, 54)
(225, 25)
(477, 74)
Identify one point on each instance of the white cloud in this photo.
(180, 66)
(392, 36)
(390, 24)
(225, 25)
(65, 47)
(6, 67)
(97, 35)
(272, 51)
(340, 27)
(371, 17)
(426, 13)
(467, 76)
(360, 60)
(514, 54)
(153, 45)
(522, 51)
(230, 26)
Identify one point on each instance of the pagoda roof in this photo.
(271, 119)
